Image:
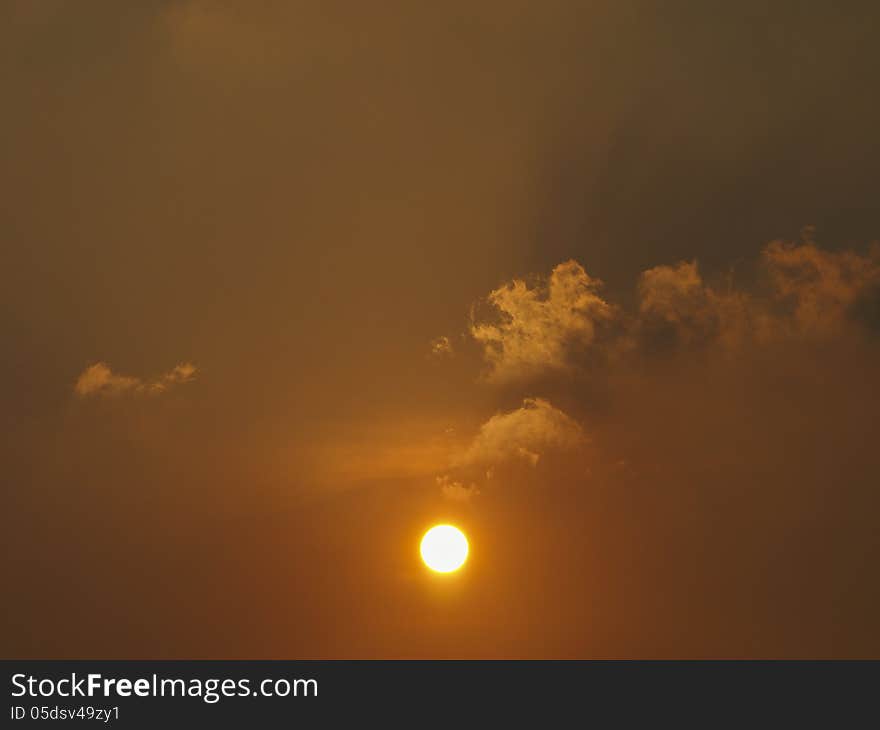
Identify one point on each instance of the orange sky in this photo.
(286, 284)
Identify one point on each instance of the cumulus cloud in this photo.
(537, 328)
(523, 434)
(806, 293)
(99, 380)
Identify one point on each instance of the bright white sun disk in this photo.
(444, 548)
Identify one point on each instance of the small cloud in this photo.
(525, 433)
(442, 347)
(100, 380)
(674, 302)
(535, 329)
(815, 289)
(456, 491)
(677, 309)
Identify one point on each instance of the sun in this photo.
(444, 548)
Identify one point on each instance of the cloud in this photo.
(675, 306)
(442, 347)
(564, 326)
(456, 491)
(100, 380)
(676, 309)
(817, 289)
(539, 328)
(523, 434)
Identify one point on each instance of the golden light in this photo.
(444, 548)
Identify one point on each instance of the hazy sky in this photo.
(286, 283)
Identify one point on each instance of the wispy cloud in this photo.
(456, 491)
(442, 347)
(100, 380)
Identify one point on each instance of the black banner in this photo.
(260, 693)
